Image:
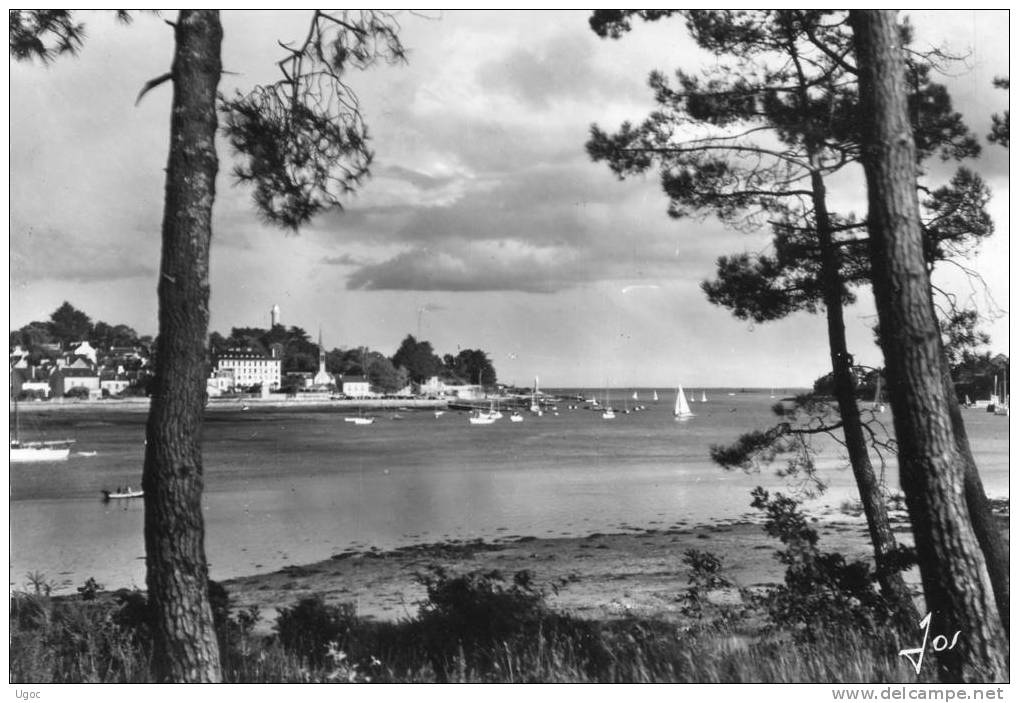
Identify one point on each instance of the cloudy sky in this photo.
(485, 224)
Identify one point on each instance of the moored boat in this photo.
(122, 494)
(32, 452)
(478, 418)
(29, 452)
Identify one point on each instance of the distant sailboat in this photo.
(479, 418)
(1001, 406)
(30, 452)
(655, 396)
(608, 413)
(635, 396)
(682, 409)
(878, 406)
(704, 397)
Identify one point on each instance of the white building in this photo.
(86, 350)
(250, 368)
(115, 385)
(219, 382)
(433, 386)
(356, 387)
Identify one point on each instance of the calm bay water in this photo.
(292, 486)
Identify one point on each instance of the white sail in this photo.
(704, 397)
(635, 396)
(655, 396)
(682, 408)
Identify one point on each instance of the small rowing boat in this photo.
(122, 494)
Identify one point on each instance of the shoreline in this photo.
(597, 576)
(139, 405)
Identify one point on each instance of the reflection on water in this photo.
(290, 487)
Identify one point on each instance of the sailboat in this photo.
(654, 396)
(535, 406)
(682, 410)
(704, 397)
(360, 419)
(1001, 407)
(608, 413)
(878, 406)
(478, 418)
(27, 452)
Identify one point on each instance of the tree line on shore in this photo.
(413, 362)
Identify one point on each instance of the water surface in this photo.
(292, 486)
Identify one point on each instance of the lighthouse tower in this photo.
(274, 316)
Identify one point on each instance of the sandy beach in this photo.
(598, 576)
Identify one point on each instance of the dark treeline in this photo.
(976, 376)
(68, 325)
(414, 361)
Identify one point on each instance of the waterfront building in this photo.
(63, 380)
(355, 386)
(251, 367)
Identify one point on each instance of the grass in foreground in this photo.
(473, 627)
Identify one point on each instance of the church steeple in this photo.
(322, 377)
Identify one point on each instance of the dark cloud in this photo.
(423, 270)
(344, 260)
(562, 69)
(542, 229)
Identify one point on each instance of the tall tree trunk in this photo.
(177, 573)
(985, 527)
(872, 498)
(952, 565)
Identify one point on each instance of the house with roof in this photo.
(64, 379)
(355, 387)
(220, 381)
(30, 381)
(86, 350)
(113, 382)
